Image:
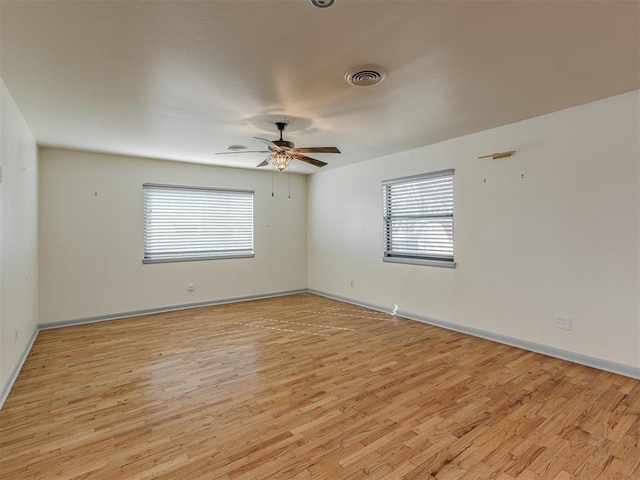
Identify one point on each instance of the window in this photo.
(418, 219)
(188, 223)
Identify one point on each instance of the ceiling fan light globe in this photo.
(281, 160)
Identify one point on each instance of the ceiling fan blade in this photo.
(318, 150)
(243, 151)
(267, 142)
(264, 163)
(310, 160)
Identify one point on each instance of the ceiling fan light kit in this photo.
(281, 160)
(283, 152)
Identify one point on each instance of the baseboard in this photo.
(170, 308)
(606, 365)
(16, 369)
(589, 361)
(352, 301)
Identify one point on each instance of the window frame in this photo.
(429, 260)
(149, 257)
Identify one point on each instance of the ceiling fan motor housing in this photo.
(282, 152)
(284, 143)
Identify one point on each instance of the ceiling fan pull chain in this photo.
(289, 183)
(272, 194)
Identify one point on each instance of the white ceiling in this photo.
(182, 80)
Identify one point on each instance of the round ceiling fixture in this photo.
(365, 75)
(322, 3)
(236, 148)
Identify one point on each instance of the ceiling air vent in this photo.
(365, 75)
(322, 3)
(236, 148)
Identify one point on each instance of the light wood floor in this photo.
(305, 387)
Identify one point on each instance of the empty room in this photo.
(319, 239)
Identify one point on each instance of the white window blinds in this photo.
(188, 223)
(418, 218)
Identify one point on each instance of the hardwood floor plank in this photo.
(304, 387)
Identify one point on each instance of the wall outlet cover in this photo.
(563, 322)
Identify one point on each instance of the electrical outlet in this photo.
(395, 310)
(563, 322)
(191, 287)
(15, 334)
(352, 283)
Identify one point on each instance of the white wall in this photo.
(18, 238)
(91, 237)
(554, 230)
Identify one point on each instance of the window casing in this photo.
(192, 223)
(418, 219)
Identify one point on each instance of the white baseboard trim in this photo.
(606, 365)
(589, 361)
(16, 369)
(170, 308)
(352, 301)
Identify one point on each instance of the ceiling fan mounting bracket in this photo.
(280, 142)
(281, 127)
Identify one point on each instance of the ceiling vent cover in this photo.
(365, 75)
(322, 3)
(236, 148)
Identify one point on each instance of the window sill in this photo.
(421, 261)
(194, 259)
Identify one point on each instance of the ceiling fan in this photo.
(282, 152)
